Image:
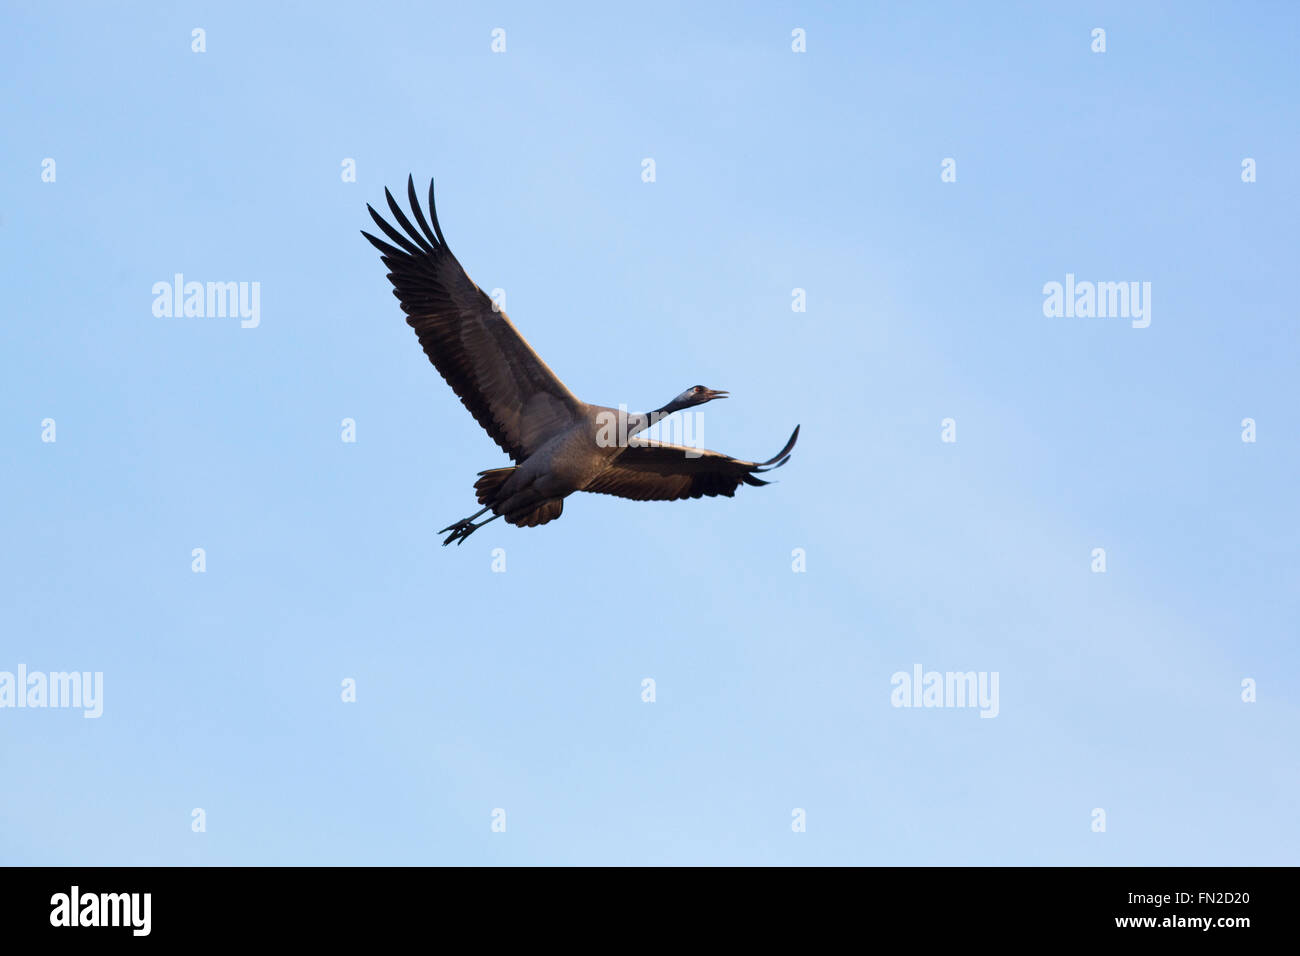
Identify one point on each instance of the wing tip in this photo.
(781, 457)
(435, 240)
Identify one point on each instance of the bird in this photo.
(558, 443)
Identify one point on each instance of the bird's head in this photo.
(697, 395)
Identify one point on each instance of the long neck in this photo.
(639, 423)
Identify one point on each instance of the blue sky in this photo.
(521, 690)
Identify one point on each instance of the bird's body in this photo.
(567, 462)
(559, 443)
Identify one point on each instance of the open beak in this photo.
(718, 393)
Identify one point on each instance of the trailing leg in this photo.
(465, 527)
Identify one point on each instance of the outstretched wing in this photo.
(653, 471)
(505, 385)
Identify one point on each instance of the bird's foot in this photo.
(459, 531)
(465, 527)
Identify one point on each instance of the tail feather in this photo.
(490, 483)
(522, 507)
(531, 518)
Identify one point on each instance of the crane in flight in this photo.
(559, 443)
